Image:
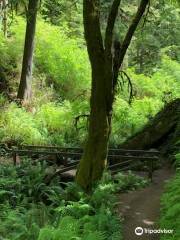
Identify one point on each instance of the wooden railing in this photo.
(118, 159)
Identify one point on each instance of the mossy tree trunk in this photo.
(105, 67)
(94, 158)
(24, 91)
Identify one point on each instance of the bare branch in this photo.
(130, 86)
(82, 95)
(78, 118)
(147, 13)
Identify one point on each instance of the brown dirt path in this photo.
(141, 208)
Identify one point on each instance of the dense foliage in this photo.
(32, 210)
(170, 212)
(61, 91)
(58, 115)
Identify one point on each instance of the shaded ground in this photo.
(141, 208)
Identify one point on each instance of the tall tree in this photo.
(106, 58)
(24, 91)
(4, 15)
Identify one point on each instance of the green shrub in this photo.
(163, 84)
(170, 207)
(63, 61)
(25, 184)
(11, 50)
(23, 196)
(71, 228)
(3, 101)
(130, 181)
(178, 161)
(51, 123)
(17, 125)
(129, 119)
(22, 223)
(55, 121)
(32, 210)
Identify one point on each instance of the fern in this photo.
(170, 207)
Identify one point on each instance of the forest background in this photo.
(58, 111)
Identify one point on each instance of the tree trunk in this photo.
(5, 16)
(94, 158)
(93, 161)
(105, 68)
(24, 91)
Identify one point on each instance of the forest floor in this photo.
(141, 208)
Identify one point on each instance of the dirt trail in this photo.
(141, 208)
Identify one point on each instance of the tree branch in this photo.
(78, 118)
(130, 86)
(92, 29)
(110, 25)
(132, 29)
(146, 15)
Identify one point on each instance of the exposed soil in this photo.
(141, 208)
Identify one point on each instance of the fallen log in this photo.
(162, 130)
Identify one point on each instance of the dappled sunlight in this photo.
(148, 222)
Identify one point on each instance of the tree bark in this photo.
(94, 158)
(105, 67)
(24, 91)
(5, 16)
(95, 153)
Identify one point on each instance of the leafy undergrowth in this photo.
(32, 210)
(170, 212)
(61, 91)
